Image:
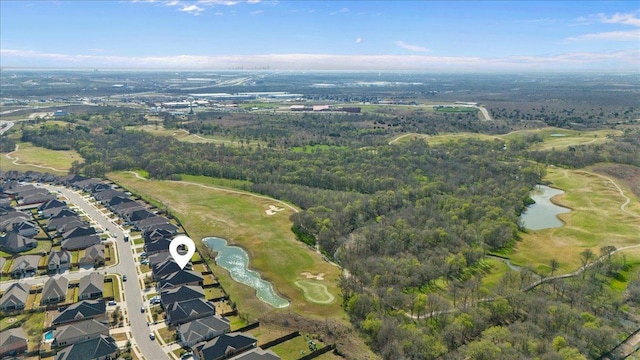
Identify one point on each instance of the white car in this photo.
(151, 336)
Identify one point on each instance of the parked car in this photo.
(151, 336)
(112, 303)
(124, 277)
(142, 309)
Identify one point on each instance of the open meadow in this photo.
(29, 157)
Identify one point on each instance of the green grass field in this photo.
(241, 219)
(315, 292)
(39, 159)
(184, 135)
(596, 220)
(551, 138)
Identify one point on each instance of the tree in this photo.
(586, 256)
(554, 265)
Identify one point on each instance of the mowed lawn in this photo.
(552, 138)
(40, 159)
(241, 219)
(556, 138)
(596, 220)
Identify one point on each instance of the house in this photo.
(59, 260)
(80, 331)
(69, 180)
(91, 286)
(157, 246)
(93, 256)
(105, 196)
(15, 298)
(119, 199)
(11, 217)
(25, 265)
(57, 223)
(71, 224)
(59, 212)
(14, 243)
(150, 221)
(155, 235)
(203, 329)
(79, 231)
(225, 346)
(133, 216)
(99, 348)
(96, 188)
(25, 228)
(257, 354)
(188, 310)
(36, 198)
(180, 293)
(158, 258)
(184, 277)
(126, 206)
(80, 242)
(168, 228)
(86, 185)
(54, 291)
(51, 204)
(169, 266)
(13, 342)
(85, 309)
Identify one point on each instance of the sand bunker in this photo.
(273, 210)
(309, 275)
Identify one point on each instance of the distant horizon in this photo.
(458, 36)
(383, 71)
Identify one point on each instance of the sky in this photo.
(458, 36)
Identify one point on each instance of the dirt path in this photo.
(16, 159)
(627, 199)
(405, 135)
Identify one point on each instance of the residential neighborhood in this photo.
(66, 247)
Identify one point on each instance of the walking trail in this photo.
(16, 159)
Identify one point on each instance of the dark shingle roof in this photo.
(15, 296)
(85, 309)
(96, 348)
(181, 293)
(204, 329)
(221, 346)
(55, 289)
(181, 277)
(187, 310)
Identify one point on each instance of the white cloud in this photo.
(192, 9)
(416, 48)
(615, 61)
(628, 35)
(257, 12)
(341, 11)
(358, 40)
(197, 7)
(629, 19)
(617, 18)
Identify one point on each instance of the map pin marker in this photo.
(182, 259)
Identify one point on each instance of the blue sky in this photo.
(322, 35)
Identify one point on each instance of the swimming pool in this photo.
(48, 336)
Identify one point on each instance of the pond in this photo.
(543, 214)
(236, 261)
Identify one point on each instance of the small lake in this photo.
(543, 214)
(236, 261)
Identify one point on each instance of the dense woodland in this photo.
(412, 223)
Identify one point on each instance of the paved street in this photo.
(126, 266)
